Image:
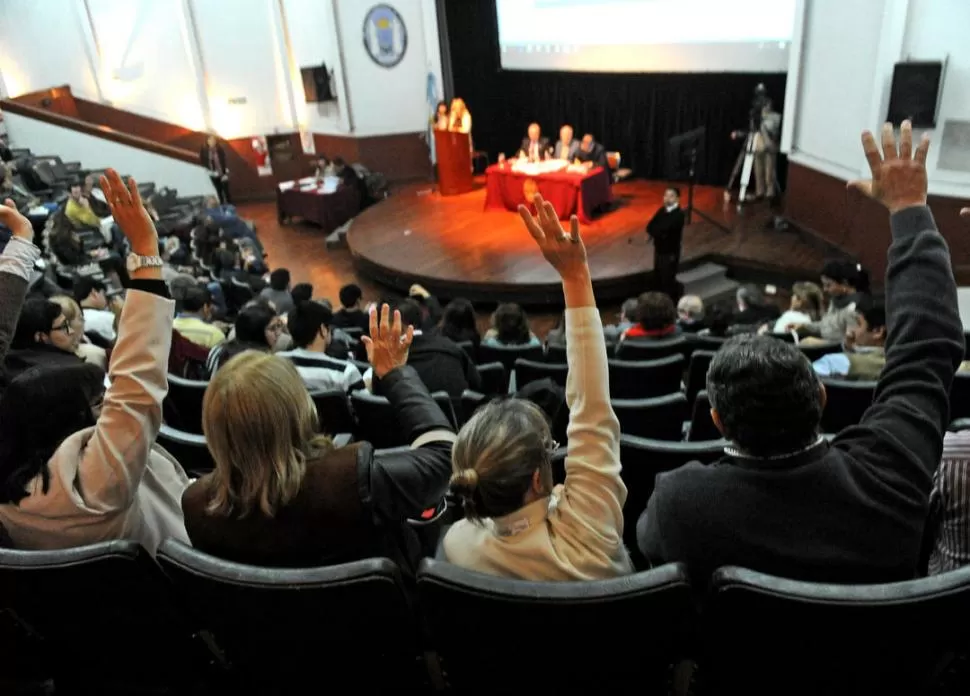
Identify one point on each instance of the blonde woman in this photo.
(807, 306)
(81, 346)
(282, 495)
(517, 524)
(459, 118)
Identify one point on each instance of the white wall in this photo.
(96, 153)
(182, 61)
(846, 66)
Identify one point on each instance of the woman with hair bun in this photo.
(517, 524)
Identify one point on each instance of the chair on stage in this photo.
(614, 159)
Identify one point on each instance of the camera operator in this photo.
(765, 127)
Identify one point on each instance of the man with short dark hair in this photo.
(92, 295)
(278, 291)
(628, 317)
(350, 315)
(865, 346)
(43, 337)
(310, 329)
(785, 501)
(193, 319)
(666, 231)
(591, 153)
(656, 318)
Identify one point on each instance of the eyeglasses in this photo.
(65, 327)
(276, 327)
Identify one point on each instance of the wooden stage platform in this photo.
(453, 247)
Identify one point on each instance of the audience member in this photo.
(752, 308)
(350, 315)
(864, 355)
(80, 213)
(43, 337)
(77, 465)
(194, 317)
(690, 314)
(95, 197)
(844, 283)
(458, 322)
(628, 317)
(83, 348)
(257, 327)
(516, 523)
(784, 500)
(440, 363)
(212, 156)
(278, 291)
(98, 318)
(510, 327)
(430, 307)
(656, 318)
(950, 506)
(805, 307)
(282, 495)
(310, 328)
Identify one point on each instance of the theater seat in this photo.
(846, 403)
(182, 408)
(106, 617)
(700, 361)
(495, 379)
(660, 418)
(647, 378)
(702, 426)
(377, 421)
(344, 628)
(639, 349)
(333, 412)
(507, 355)
(189, 450)
(767, 635)
(528, 371)
(960, 396)
(617, 636)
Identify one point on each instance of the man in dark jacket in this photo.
(783, 500)
(666, 231)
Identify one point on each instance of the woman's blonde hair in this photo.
(69, 306)
(496, 456)
(261, 427)
(812, 298)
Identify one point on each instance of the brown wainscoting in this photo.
(400, 158)
(58, 100)
(821, 204)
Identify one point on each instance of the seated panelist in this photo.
(591, 154)
(535, 148)
(567, 147)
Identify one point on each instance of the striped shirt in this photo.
(951, 497)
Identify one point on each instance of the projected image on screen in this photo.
(646, 35)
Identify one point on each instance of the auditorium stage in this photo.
(454, 247)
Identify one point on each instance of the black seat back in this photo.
(846, 403)
(653, 349)
(377, 421)
(527, 371)
(696, 381)
(507, 355)
(182, 408)
(189, 449)
(495, 379)
(660, 418)
(702, 426)
(345, 624)
(103, 612)
(960, 396)
(454, 598)
(556, 353)
(333, 412)
(641, 380)
(899, 638)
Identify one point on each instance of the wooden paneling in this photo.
(822, 204)
(58, 100)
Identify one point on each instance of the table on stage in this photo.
(329, 204)
(569, 191)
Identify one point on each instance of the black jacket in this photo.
(545, 149)
(220, 156)
(851, 511)
(352, 318)
(354, 502)
(443, 365)
(596, 155)
(667, 230)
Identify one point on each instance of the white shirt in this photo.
(324, 378)
(671, 208)
(101, 322)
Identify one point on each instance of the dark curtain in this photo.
(634, 113)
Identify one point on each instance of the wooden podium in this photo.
(454, 154)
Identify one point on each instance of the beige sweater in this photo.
(108, 481)
(577, 532)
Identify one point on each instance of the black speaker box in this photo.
(915, 93)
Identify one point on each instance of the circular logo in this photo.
(529, 189)
(385, 36)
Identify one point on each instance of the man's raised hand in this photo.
(898, 173)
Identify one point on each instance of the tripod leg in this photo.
(734, 175)
(746, 170)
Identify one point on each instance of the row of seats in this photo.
(108, 619)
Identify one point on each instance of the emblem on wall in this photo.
(529, 189)
(385, 36)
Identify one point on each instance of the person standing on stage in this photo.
(535, 148)
(567, 147)
(766, 150)
(213, 157)
(591, 154)
(460, 118)
(442, 118)
(666, 231)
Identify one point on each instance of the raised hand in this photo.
(898, 174)
(18, 224)
(387, 346)
(565, 252)
(130, 214)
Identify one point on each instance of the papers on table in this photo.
(309, 184)
(537, 168)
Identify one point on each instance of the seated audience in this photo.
(430, 306)
(278, 291)
(510, 327)
(592, 154)
(805, 307)
(752, 308)
(785, 501)
(43, 338)
(950, 506)
(458, 322)
(194, 317)
(440, 363)
(95, 197)
(628, 314)
(844, 283)
(310, 327)
(257, 327)
(228, 266)
(80, 213)
(865, 354)
(350, 315)
(690, 314)
(77, 464)
(517, 524)
(98, 318)
(83, 348)
(656, 318)
(283, 495)
(557, 334)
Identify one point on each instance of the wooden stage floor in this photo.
(454, 247)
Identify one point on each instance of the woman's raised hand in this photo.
(130, 214)
(565, 252)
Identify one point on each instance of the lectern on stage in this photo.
(454, 154)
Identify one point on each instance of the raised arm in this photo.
(594, 493)
(115, 458)
(16, 263)
(900, 439)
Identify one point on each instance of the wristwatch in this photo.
(136, 262)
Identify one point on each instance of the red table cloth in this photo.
(329, 210)
(569, 193)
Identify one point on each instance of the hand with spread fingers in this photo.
(388, 344)
(130, 213)
(898, 173)
(565, 252)
(11, 218)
